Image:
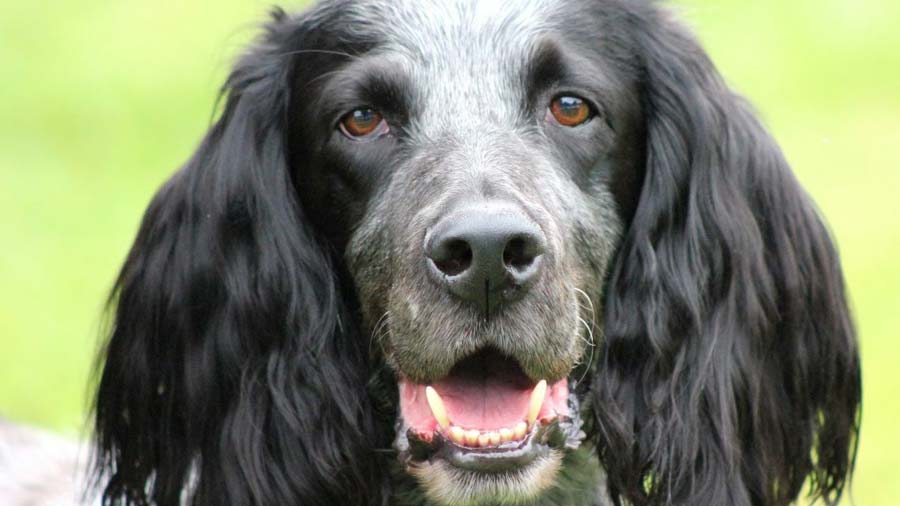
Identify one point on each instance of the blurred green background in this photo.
(101, 100)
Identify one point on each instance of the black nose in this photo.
(486, 255)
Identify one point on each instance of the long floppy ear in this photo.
(233, 370)
(731, 372)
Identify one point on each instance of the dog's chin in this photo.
(486, 433)
(449, 485)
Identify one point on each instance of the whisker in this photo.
(589, 342)
(320, 51)
(323, 76)
(590, 306)
(592, 317)
(592, 346)
(379, 323)
(379, 331)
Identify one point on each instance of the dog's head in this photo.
(474, 232)
(480, 160)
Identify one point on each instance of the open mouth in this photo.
(487, 415)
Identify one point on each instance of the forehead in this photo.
(435, 28)
(457, 53)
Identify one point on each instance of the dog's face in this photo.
(478, 158)
(488, 233)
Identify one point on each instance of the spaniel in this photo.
(452, 252)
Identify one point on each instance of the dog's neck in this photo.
(581, 482)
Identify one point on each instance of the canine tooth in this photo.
(506, 435)
(437, 407)
(472, 437)
(537, 400)
(494, 438)
(458, 434)
(484, 439)
(519, 430)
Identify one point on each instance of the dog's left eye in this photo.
(363, 123)
(570, 111)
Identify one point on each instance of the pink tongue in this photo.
(484, 392)
(478, 399)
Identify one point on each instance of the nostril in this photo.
(454, 258)
(488, 255)
(520, 253)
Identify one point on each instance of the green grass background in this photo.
(100, 100)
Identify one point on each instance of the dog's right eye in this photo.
(363, 123)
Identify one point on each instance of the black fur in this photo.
(233, 345)
(238, 367)
(730, 372)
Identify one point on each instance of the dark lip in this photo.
(559, 433)
(494, 460)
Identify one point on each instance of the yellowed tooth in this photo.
(472, 437)
(506, 434)
(519, 430)
(484, 439)
(537, 400)
(437, 407)
(458, 434)
(493, 438)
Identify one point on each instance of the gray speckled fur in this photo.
(468, 141)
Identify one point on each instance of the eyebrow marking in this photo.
(545, 68)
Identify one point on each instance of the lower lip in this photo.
(507, 457)
(494, 460)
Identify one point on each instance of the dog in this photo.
(468, 253)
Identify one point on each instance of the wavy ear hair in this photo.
(233, 369)
(731, 372)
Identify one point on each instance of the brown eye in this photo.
(363, 122)
(570, 111)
